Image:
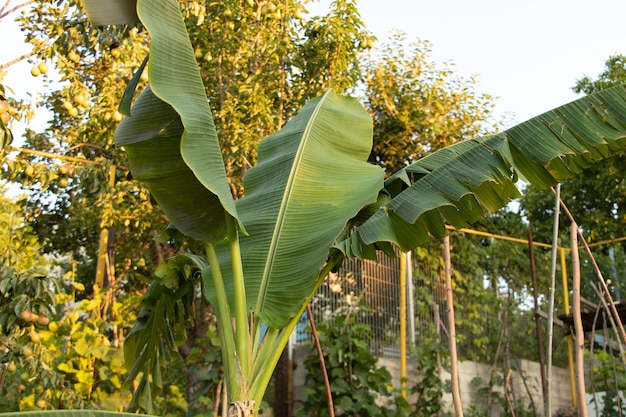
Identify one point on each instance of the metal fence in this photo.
(370, 290)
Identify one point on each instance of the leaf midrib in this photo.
(269, 262)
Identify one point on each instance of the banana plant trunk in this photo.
(241, 409)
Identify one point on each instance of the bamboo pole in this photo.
(578, 325)
(454, 364)
(555, 238)
(410, 294)
(570, 354)
(403, 270)
(542, 353)
(605, 288)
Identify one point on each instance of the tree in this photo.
(261, 63)
(418, 108)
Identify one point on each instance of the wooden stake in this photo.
(454, 364)
(578, 324)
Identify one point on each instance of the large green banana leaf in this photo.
(111, 12)
(459, 184)
(152, 140)
(311, 178)
(160, 157)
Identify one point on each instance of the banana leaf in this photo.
(460, 184)
(311, 178)
(171, 138)
(111, 12)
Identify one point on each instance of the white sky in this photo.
(528, 53)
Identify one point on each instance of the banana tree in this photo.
(311, 201)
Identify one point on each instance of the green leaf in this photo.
(298, 199)
(175, 79)
(459, 184)
(170, 137)
(111, 12)
(151, 138)
(129, 92)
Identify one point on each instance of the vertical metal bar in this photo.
(410, 298)
(403, 269)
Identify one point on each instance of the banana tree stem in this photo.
(231, 366)
(242, 333)
(265, 363)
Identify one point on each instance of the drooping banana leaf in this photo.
(459, 184)
(311, 178)
(152, 140)
(159, 150)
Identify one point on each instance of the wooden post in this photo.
(542, 355)
(578, 325)
(454, 364)
(555, 242)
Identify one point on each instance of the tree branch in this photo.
(4, 13)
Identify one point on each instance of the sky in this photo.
(527, 53)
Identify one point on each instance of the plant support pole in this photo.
(320, 355)
(454, 364)
(410, 294)
(566, 308)
(578, 324)
(403, 271)
(605, 288)
(555, 242)
(542, 357)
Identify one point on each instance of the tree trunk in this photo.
(241, 409)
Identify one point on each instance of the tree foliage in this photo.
(253, 69)
(417, 107)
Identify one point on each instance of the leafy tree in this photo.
(49, 353)
(261, 62)
(418, 108)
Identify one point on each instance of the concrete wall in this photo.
(524, 384)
